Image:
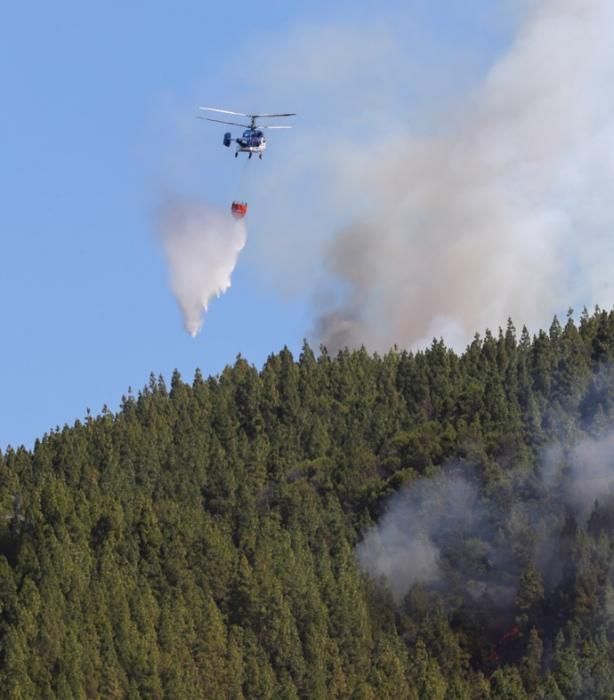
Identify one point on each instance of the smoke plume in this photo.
(402, 548)
(446, 534)
(505, 212)
(581, 475)
(201, 246)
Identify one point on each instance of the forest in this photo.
(422, 525)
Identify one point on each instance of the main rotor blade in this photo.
(224, 111)
(272, 126)
(220, 121)
(260, 116)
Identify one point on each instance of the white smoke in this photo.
(583, 474)
(507, 214)
(402, 547)
(202, 246)
(392, 553)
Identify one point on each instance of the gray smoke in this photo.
(582, 474)
(402, 549)
(506, 213)
(201, 246)
(444, 533)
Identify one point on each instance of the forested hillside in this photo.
(230, 537)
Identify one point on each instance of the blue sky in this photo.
(97, 122)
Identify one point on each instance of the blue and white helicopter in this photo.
(253, 139)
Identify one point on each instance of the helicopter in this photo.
(253, 139)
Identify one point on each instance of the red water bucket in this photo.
(238, 209)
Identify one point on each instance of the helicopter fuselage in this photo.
(252, 141)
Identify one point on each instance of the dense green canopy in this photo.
(202, 542)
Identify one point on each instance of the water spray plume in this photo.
(201, 245)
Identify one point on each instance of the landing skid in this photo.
(249, 154)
